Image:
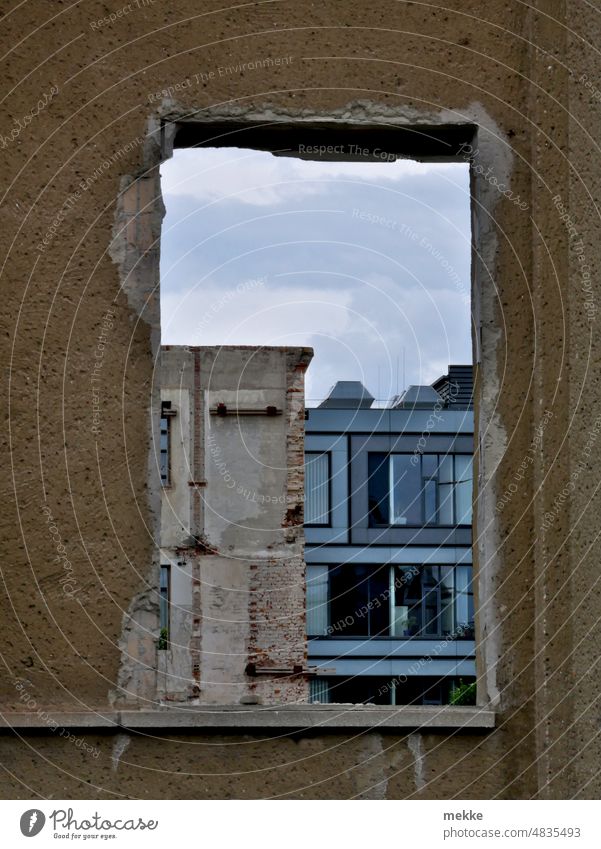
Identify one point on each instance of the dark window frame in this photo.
(165, 600)
(387, 457)
(387, 686)
(459, 632)
(165, 430)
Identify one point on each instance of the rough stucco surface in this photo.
(513, 69)
(249, 604)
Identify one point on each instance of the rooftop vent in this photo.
(417, 398)
(348, 395)
(457, 387)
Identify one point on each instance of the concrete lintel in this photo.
(243, 717)
(52, 720)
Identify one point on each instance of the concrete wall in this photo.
(81, 220)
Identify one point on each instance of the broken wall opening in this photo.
(425, 143)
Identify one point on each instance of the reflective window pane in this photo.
(431, 608)
(377, 487)
(319, 691)
(463, 488)
(379, 599)
(464, 602)
(317, 601)
(445, 504)
(349, 598)
(402, 576)
(433, 489)
(430, 511)
(429, 465)
(360, 689)
(445, 468)
(447, 600)
(407, 610)
(317, 489)
(405, 490)
(390, 600)
(401, 690)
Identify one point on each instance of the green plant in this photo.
(463, 694)
(163, 639)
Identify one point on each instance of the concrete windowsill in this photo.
(244, 717)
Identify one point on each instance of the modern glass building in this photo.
(388, 527)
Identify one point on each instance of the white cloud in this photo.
(367, 296)
(360, 331)
(263, 315)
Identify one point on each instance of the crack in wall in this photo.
(120, 744)
(415, 744)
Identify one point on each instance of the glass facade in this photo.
(419, 489)
(376, 690)
(357, 600)
(390, 609)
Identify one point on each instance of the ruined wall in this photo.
(81, 219)
(232, 525)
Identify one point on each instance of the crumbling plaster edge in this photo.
(126, 256)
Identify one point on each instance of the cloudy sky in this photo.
(366, 262)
